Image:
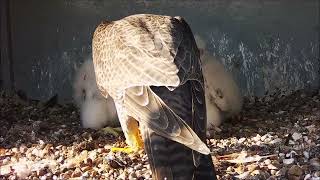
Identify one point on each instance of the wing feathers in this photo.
(161, 119)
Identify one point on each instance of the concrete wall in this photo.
(265, 44)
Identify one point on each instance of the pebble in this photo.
(85, 174)
(315, 163)
(296, 136)
(138, 167)
(273, 167)
(282, 171)
(241, 140)
(122, 176)
(267, 161)
(276, 141)
(6, 161)
(288, 161)
(252, 167)
(273, 172)
(295, 172)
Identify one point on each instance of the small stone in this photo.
(15, 150)
(273, 172)
(273, 167)
(41, 172)
(295, 172)
(306, 154)
(93, 155)
(6, 161)
(276, 141)
(296, 136)
(23, 149)
(282, 172)
(239, 169)
(229, 169)
(257, 137)
(85, 168)
(315, 163)
(243, 175)
(89, 161)
(256, 172)
(35, 152)
(252, 167)
(137, 167)
(147, 176)
(305, 167)
(282, 155)
(264, 137)
(122, 176)
(291, 142)
(241, 140)
(272, 178)
(85, 174)
(49, 175)
(267, 161)
(308, 176)
(76, 173)
(288, 161)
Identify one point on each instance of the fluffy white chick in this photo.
(95, 110)
(223, 97)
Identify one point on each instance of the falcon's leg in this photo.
(133, 137)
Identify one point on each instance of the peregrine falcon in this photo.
(150, 65)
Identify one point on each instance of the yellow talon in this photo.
(125, 149)
(133, 139)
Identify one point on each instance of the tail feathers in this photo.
(206, 170)
(161, 119)
(170, 159)
(174, 161)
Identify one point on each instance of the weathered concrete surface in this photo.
(266, 45)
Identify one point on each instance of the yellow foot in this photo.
(125, 149)
(133, 138)
(113, 131)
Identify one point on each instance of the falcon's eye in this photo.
(84, 94)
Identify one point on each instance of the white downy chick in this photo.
(223, 97)
(95, 110)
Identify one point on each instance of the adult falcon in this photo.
(150, 65)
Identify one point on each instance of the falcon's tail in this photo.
(172, 160)
(150, 110)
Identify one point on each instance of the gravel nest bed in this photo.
(274, 137)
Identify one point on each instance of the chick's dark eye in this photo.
(84, 94)
(211, 99)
